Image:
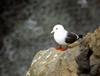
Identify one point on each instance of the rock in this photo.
(52, 62)
(89, 58)
(83, 61)
(92, 40)
(95, 70)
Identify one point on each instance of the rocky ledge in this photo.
(53, 62)
(83, 59)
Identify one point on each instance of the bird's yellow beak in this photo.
(52, 31)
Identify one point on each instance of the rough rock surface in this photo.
(89, 58)
(53, 62)
(92, 40)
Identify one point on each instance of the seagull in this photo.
(63, 37)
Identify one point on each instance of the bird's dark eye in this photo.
(56, 28)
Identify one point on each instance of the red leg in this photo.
(61, 48)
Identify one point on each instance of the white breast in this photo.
(60, 37)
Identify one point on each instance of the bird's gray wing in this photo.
(71, 37)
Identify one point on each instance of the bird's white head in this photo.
(57, 27)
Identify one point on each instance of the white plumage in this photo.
(62, 36)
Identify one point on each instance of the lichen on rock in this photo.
(52, 62)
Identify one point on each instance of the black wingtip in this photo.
(80, 36)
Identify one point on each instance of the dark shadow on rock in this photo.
(84, 66)
(83, 61)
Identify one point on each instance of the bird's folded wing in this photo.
(71, 37)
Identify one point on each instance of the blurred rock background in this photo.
(25, 27)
